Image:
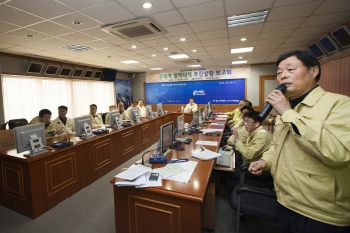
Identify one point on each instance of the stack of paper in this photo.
(222, 116)
(211, 131)
(206, 155)
(138, 176)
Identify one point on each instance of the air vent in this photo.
(134, 29)
(188, 61)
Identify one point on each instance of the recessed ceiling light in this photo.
(143, 66)
(183, 39)
(179, 56)
(195, 50)
(166, 48)
(194, 65)
(77, 22)
(245, 19)
(147, 5)
(129, 62)
(240, 57)
(156, 68)
(30, 35)
(153, 55)
(134, 46)
(239, 62)
(242, 50)
(243, 39)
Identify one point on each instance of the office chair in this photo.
(253, 201)
(104, 117)
(17, 122)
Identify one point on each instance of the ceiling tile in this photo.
(171, 48)
(97, 33)
(5, 45)
(184, 3)
(12, 39)
(181, 29)
(139, 45)
(331, 6)
(312, 30)
(234, 7)
(293, 11)
(5, 27)
(326, 19)
(98, 44)
(47, 44)
(78, 4)
(17, 17)
(116, 40)
(276, 34)
(157, 42)
(188, 37)
(190, 45)
(246, 30)
(288, 2)
(23, 32)
(77, 38)
(50, 28)
(209, 25)
(302, 38)
(218, 47)
(135, 6)
(42, 8)
(222, 33)
(221, 41)
(67, 21)
(108, 12)
(203, 11)
(283, 24)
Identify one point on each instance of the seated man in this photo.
(191, 107)
(258, 141)
(228, 138)
(133, 105)
(237, 116)
(35, 120)
(237, 110)
(142, 108)
(122, 113)
(96, 119)
(51, 128)
(64, 122)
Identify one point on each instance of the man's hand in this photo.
(278, 102)
(256, 168)
(235, 133)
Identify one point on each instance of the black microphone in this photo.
(69, 142)
(268, 107)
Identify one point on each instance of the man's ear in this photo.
(315, 71)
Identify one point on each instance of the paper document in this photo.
(133, 172)
(220, 119)
(186, 175)
(206, 143)
(170, 170)
(206, 155)
(218, 123)
(150, 183)
(222, 116)
(139, 181)
(209, 131)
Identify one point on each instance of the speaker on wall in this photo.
(108, 75)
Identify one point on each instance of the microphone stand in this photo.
(69, 142)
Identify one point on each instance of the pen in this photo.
(203, 148)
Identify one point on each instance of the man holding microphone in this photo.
(309, 156)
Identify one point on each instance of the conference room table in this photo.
(175, 207)
(33, 185)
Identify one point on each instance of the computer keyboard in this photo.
(225, 159)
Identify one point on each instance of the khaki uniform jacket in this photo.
(50, 130)
(142, 111)
(124, 114)
(242, 133)
(257, 143)
(232, 113)
(35, 120)
(190, 107)
(69, 127)
(236, 116)
(96, 121)
(312, 170)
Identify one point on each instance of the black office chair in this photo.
(253, 201)
(104, 117)
(17, 122)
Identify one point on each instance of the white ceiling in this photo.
(290, 25)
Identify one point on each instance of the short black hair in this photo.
(63, 107)
(44, 112)
(249, 103)
(254, 115)
(248, 108)
(305, 56)
(191, 98)
(135, 102)
(93, 105)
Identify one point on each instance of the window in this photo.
(24, 96)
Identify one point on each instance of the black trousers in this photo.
(292, 222)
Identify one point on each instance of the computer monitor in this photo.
(83, 127)
(200, 113)
(209, 108)
(166, 137)
(30, 138)
(195, 120)
(180, 122)
(205, 113)
(149, 111)
(114, 119)
(160, 109)
(135, 115)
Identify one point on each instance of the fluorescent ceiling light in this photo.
(179, 56)
(194, 65)
(242, 50)
(246, 19)
(156, 68)
(129, 62)
(147, 5)
(239, 62)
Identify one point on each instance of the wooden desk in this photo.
(31, 186)
(175, 207)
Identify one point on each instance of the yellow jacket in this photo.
(232, 113)
(69, 127)
(235, 116)
(35, 120)
(191, 108)
(50, 130)
(124, 114)
(242, 133)
(311, 171)
(142, 111)
(257, 143)
(96, 121)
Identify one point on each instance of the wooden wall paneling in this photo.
(146, 138)
(345, 76)
(102, 157)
